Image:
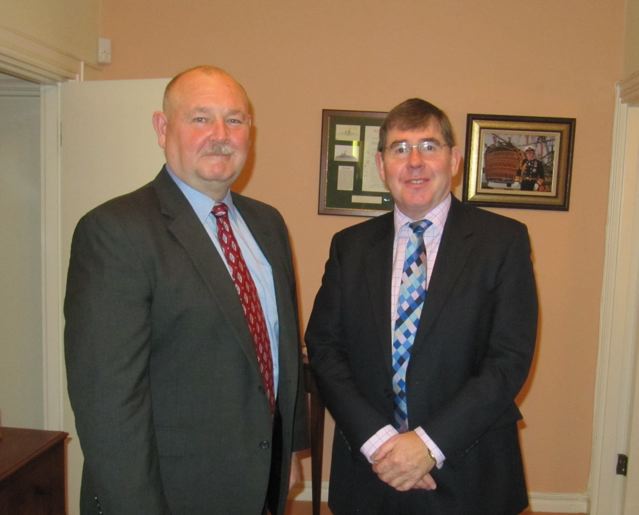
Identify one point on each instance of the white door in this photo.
(631, 504)
(108, 148)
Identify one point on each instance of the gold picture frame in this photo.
(518, 161)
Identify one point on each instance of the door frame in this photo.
(51, 261)
(33, 61)
(619, 314)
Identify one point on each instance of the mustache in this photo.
(221, 149)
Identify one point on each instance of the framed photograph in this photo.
(518, 161)
(349, 182)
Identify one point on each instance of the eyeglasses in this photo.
(428, 149)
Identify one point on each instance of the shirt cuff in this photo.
(428, 442)
(376, 441)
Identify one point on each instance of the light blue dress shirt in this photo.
(256, 262)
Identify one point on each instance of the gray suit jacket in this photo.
(162, 373)
(471, 355)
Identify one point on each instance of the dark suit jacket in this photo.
(471, 355)
(162, 374)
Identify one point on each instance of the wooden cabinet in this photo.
(32, 472)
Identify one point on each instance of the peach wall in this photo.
(542, 58)
(631, 61)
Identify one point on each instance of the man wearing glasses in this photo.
(421, 337)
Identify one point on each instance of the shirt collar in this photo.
(437, 216)
(202, 204)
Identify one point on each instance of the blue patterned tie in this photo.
(412, 294)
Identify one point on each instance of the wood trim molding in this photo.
(539, 501)
(30, 60)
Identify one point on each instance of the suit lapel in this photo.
(379, 265)
(453, 253)
(188, 231)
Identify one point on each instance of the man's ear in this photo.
(455, 161)
(159, 124)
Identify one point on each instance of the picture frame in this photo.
(349, 181)
(518, 161)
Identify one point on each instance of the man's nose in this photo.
(415, 157)
(218, 131)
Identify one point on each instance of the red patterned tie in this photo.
(248, 297)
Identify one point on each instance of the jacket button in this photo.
(264, 444)
(260, 389)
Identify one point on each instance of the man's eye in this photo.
(428, 146)
(401, 149)
(199, 119)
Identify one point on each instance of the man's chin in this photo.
(219, 174)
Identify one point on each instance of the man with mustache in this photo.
(531, 172)
(421, 337)
(181, 339)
